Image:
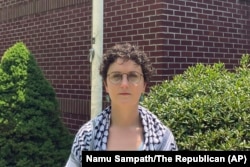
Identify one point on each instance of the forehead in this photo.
(124, 66)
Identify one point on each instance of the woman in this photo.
(124, 125)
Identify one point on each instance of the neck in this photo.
(125, 116)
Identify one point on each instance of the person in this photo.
(124, 124)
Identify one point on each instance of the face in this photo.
(122, 83)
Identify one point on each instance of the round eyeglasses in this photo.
(133, 77)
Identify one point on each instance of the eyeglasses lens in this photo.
(132, 77)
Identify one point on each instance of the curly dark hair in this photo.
(126, 52)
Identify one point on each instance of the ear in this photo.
(144, 87)
(106, 86)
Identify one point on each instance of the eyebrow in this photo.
(125, 72)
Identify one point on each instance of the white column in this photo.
(96, 57)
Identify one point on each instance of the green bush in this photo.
(207, 107)
(32, 133)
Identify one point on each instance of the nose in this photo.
(124, 82)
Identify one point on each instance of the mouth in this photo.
(124, 94)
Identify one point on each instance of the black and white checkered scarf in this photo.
(156, 135)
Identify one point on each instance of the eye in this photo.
(133, 77)
(116, 76)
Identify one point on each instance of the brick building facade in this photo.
(175, 34)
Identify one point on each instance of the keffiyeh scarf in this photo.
(156, 135)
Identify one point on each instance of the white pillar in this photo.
(96, 57)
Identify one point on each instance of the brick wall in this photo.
(9, 3)
(59, 36)
(175, 34)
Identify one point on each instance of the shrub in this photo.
(32, 133)
(207, 107)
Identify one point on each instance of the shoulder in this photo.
(85, 130)
(83, 137)
(166, 137)
(152, 118)
(82, 141)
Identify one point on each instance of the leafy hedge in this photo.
(207, 107)
(32, 133)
